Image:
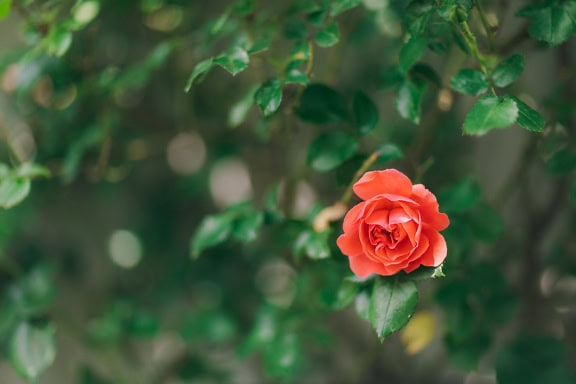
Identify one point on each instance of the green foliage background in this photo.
(166, 163)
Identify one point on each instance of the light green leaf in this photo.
(508, 71)
(213, 230)
(246, 227)
(490, 112)
(59, 41)
(199, 71)
(240, 109)
(31, 170)
(269, 96)
(296, 76)
(411, 52)
(528, 118)
(552, 22)
(339, 6)
(469, 82)
(314, 245)
(392, 304)
(13, 190)
(32, 350)
(346, 294)
(234, 61)
(329, 36)
(409, 98)
(5, 8)
(362, 305)
(389, 152)
(330, 149)
(365, 113)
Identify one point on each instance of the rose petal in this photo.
(429, 209)
(349, 244)
(363, 267)
(389, 181)
(398, 215)
(437, 251)
(352, 217)
(379, 217)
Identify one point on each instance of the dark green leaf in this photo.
(314, 245)
(460, 197)
(213, 230)
(425, 273)
(409, 98)
(346, 294)
(269, 96)
(32, 350)
(391, 77)
(295, 29)
(246, 227)
(486, 223)
(550, 21)
(320, 104)
(199, 71)
(234, 61)
(296, 76)
(561, 162)
(212, 325)
(392, 304)
(528, 118)
(365, 113)
(143, 325)
(13, 190)
(469, 82)
(283, 356)
(339, 6)
(534, 359)
(426, 72)
(34, 292)
(329, 36)
(331, 149)
(508, 71)
(490, 112)
(5, 8)
(389, 152)
(411, 52)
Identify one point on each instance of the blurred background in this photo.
(108, 272)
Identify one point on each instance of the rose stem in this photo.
(367, 164)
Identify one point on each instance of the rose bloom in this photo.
(395, 228)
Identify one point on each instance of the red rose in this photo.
(395, 228)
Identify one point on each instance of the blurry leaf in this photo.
(425, 273)
(283, 356)
(508, 71)
(409, 98)
(246, 227)
(198, 72)
(460, 197)
(295, 29)
(260, 45)
(346, 294)
(143, 325)
(320, 104)
(532, 359)
(243, 7)
(313, 244)
(392, 304)
(426, 72)
(469, 82)
(465, 354)
(32, 350)
(85, 12)
(296, 76)
(13, 190)
(490, 112)
(339, 6)
(240, 109)
(59, 41)
(301, 51)
(528, 118)
(5, 8)
(31, 170)
(561, 162)
(34, 292)
(213, 230)
(263, 332)
(419, 332)
(552, 22)
(389, 152)
(329, 36)
(391, 76)
(330, 149)
(213, 326)
(486, 223)
(234, 61)
(365, 113)
(8, 318)
(411, 52)
(269, 96)
(362, 305)
(573, 191)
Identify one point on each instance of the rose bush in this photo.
(396, 227)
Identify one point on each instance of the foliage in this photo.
(174, 175)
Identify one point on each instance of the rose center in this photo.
(389, 236)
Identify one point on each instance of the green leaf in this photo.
(339, 6)
(470, 82)
(246, 227)
(346, 294)
(32, 350)
(330, 149)
(392, 304)
(313, 244)
(13, 190)
(199, 71)
(490, 112)
(411, 52)
(320, 104)
(552, 22)
(329, 36)
(212, 325)
(59, 41)
(213, 230)
(409, 98)
(35, 292)
(532, 359)
(461, 196)
(296, 76)
(31, 170)
(5, 8)
(528, 118)
(389, 152)
(508, 71)
(234, 61)
(561, 162)
(362, 305)
(390, 77)
(283, 356)
(426, 273)
(486, 223)
(365, 113)
(240, 109)
(269, 96)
